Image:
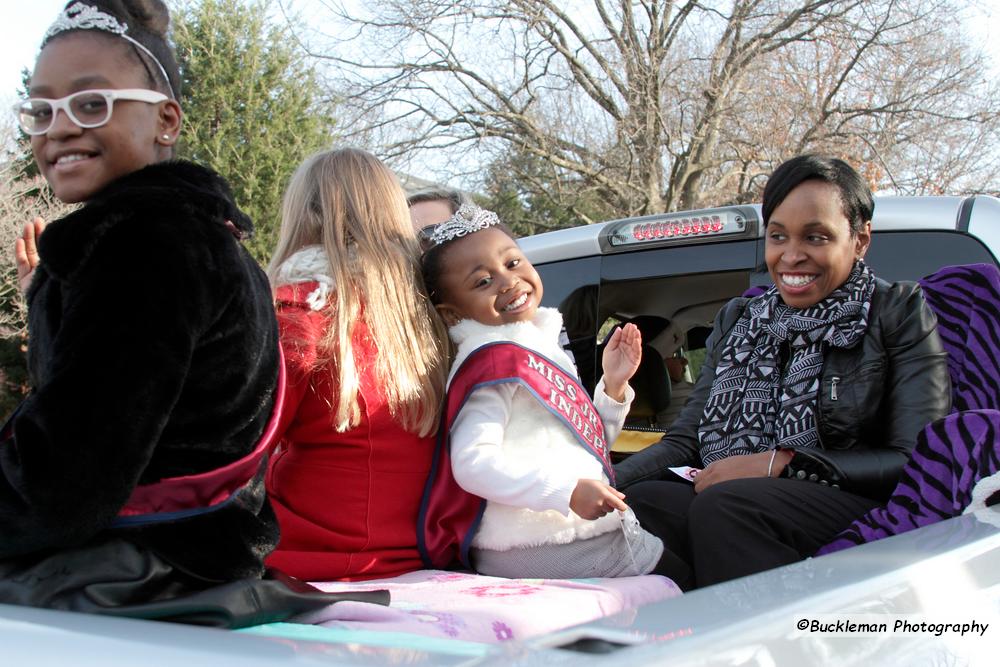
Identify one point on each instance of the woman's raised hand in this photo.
(621, 359)
(26, 252)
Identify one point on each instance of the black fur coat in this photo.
(153, 353)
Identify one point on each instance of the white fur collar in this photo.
(310, 264)
(541, 333)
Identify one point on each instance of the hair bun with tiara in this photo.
(143, 23)
(152, 15)
(468, 219)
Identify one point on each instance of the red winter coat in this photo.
(346, 502)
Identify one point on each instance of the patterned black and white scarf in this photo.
(755, 404)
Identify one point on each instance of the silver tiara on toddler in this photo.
(79, 16)
(468, 219)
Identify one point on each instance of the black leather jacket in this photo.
(874, 399)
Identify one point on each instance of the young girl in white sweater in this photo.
(522, 489)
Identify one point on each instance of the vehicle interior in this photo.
(673, 294)
(674, 315)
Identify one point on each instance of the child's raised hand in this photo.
(26, 252)
(621, 359)
(592, 499)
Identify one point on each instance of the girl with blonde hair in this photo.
(365, 357)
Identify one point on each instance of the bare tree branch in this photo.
(639, 106)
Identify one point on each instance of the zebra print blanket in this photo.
(955, 464)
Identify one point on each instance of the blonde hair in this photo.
(352, 205)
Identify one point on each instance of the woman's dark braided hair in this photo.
(148, 23)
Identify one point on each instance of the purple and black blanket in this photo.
(955, 463)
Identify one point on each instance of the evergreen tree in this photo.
(253, 105)
(19, 150)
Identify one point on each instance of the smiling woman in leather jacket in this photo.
(810, 398)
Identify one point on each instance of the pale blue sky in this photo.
(20, 36)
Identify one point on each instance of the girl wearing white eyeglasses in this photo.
(133, 472)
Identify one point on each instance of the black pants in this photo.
(741, 526)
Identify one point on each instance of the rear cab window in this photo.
(673, 293)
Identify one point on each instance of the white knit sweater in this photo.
(507, 448)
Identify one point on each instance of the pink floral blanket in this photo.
(477, 608)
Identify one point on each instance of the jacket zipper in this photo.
(833, 387)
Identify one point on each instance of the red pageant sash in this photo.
(174, 498)
(449, 515)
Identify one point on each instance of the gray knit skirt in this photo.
(611, 554)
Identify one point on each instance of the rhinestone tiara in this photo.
(468, 219)
(79, 16)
